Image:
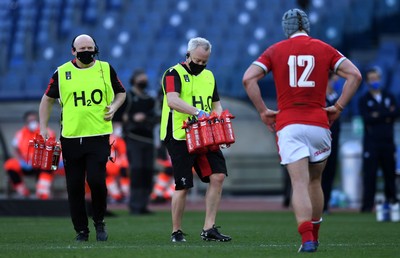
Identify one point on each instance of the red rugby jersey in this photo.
(300, 66)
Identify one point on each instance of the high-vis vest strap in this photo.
(197, 91)
(84, 95)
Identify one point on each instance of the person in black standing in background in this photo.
(328, 176)
(139, 120)
(379, 110)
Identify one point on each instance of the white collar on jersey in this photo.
(296, 34)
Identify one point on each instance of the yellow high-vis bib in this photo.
(84, 95)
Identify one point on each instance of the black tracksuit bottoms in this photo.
(85, 159)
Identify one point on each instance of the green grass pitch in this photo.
(255, 234)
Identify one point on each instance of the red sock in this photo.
(306, 231)
(316, 224)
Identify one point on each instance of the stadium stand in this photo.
(152, 34)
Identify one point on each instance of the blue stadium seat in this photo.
(386, 8)
(42, 36)
(165, 6)
(207, 6)
(89, 16)
(148, 24)
(18, 53)
(139, 7)
(114, 4)
(359, 19)
(66, 24)
(11, 85)
(35, 85)
(389, 52)
(394, 83)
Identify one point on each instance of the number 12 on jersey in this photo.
(294, 62)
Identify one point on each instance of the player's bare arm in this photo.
(350, 72)
(250, 82)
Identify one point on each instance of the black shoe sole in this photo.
(216, 240)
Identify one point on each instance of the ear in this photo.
(187, 55)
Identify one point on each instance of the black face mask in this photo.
(85, 57)
(196, 69)
(141, 85)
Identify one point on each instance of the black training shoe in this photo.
(213, 234)
(82, 236)
(101, 232)
(178, 236)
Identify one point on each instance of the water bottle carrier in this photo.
(45, 153)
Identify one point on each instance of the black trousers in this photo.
(378, 155)
(141, 164)
(85, 159)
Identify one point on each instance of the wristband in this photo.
(339, 107)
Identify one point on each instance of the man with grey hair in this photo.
(190, 90)
(300, 66)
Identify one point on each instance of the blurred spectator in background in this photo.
(379, 110)
(139, 120)
(117, 178)
(328, 176)
(164, 185)
(19, 165)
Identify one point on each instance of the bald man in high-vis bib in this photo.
(89, 93)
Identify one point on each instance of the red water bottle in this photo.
(38, 147)
(225, 118)
(56, 156)
(205, 130)
(217, 129)
(189, 136)
(193, 139)
(47, 156)
(198, 144)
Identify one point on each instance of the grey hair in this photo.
(199, 42)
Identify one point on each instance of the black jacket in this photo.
(135, 104)
(379, 117)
